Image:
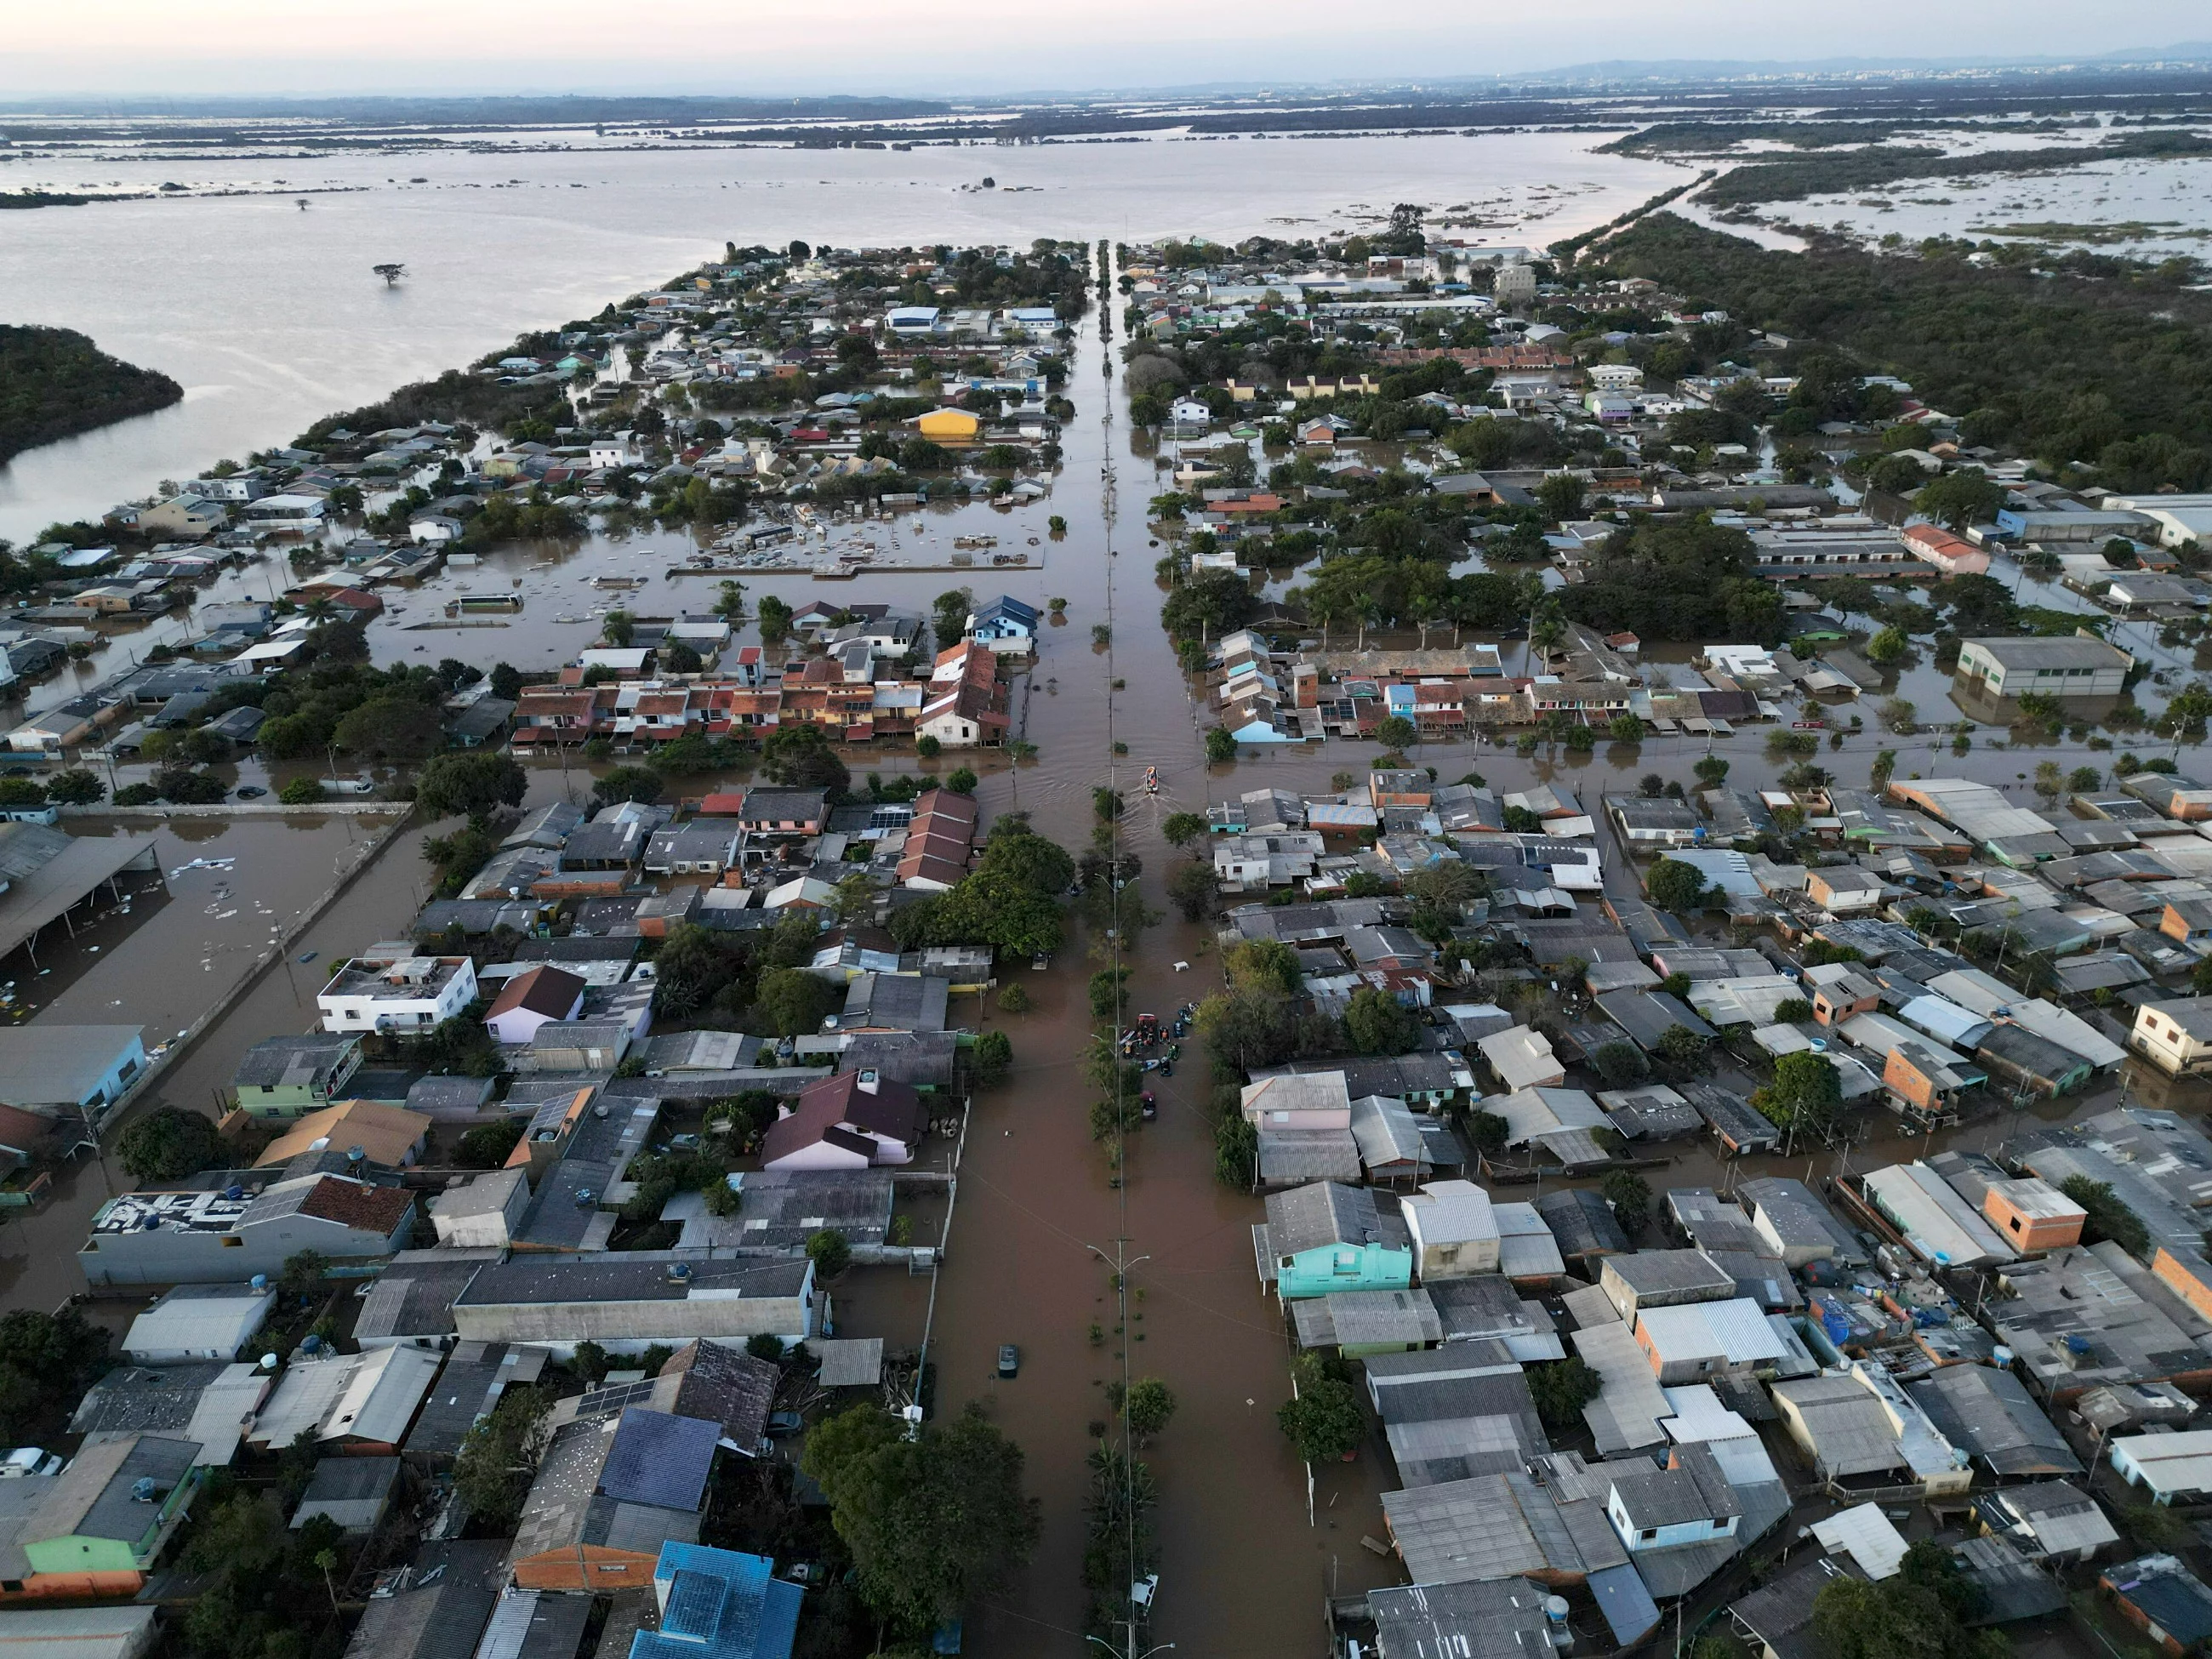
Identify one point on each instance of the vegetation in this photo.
(933, 1522)
(1630, 1195)
(473, 783)
(1324, 1421)
(2108, 1217)
(46, 1363)
(1922, 1611)
(1561, 1388)
(2104, 362)
(493, 1470)
(1673, 885)
(54, 382)
(1805, 1091)
(169, 1144)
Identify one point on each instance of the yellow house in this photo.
(949, 426)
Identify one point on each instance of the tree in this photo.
(1248, 1028)
(829, 1253)
(1190, 887)
(487, 1145)
(1236, 1152)
(2108, 1217)
(628, 783)
(963, 781)
(169, 1144)
(1263, 964)
(928, 747)
(1620, 1064)
(1448, 886)
(1396, 731)
(1630, 1195)
(1712, 771)
(1626, 728)
(1147, 1408)
(949, 615)
(1110, 995)
(1682, 1046)
(794, 1002)
(1377, 1025)
(1672, 885)
(1807, 1090)
(1561, 1388)
(774, 617)
(1323, 1422)
(1183, 829)
(933, 1522)
(395, 728)
(1560, 494)
(46, 1360)
(992, 1056)
(1960, 500)
(691, 967)
(303, 1273)
(472, 782)
(302, 791)
(500, 1455)
(74, 788)
(1220, 744)
(1889, 646)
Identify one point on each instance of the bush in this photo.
(1323, 1423)
(487, 1145)
(963, 781)
(1620, 1064)
(168, 1144)
(927, 747)
(829, 1253)
(1012, 999)
(302, 791)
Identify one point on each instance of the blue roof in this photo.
(718, 1604)
(659, 1460)
(1627, 1606)
(1007, 605)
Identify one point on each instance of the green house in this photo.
(291, 1076)
(109, 1514)
(1328, 1236)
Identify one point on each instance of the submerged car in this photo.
(1010, 1359)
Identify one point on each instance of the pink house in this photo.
(849, 1122)
(531, 999)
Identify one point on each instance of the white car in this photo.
(29, 1460)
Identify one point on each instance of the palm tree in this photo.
(1547, 633)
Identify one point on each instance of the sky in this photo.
(180, 48)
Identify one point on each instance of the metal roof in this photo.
(1989, 1414)
(1864, 1533)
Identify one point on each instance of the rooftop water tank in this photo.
(261, 1282)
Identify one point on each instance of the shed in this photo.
(352, 1491)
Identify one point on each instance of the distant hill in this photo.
(55, 382)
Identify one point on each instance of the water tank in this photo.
(142, 1489)
(356, 1155)
(679, 1272)
(261, 1282)
(310, 1345)
(268, 1362)
(234, 1194)
(2001, 1357)
(1819, 1045)
(1555, 1609)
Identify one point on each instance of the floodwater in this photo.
(269, 317)
(166, 967)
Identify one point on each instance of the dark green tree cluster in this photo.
(1011, 901)
(1690, 580)
(933, 1522)
(54, 382)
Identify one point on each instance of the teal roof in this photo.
(718, 1604)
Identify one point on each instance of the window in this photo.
(231, 1244)
(1648, 1533)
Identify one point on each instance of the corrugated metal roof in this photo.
(1864, 1533)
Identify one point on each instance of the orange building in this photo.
(2032, 1215)
(2189, 1278)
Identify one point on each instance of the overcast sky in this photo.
(186, 47)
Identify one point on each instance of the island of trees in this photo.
(55, 382)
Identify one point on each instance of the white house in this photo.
(1453, 1230)
(410, 995)
(530, 1000)
(617, 450)
(2166, 1466)
(2176, 1036)
(1298, 1100)
(434, 528)
(1266, 860)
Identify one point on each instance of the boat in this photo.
(1151, 784)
